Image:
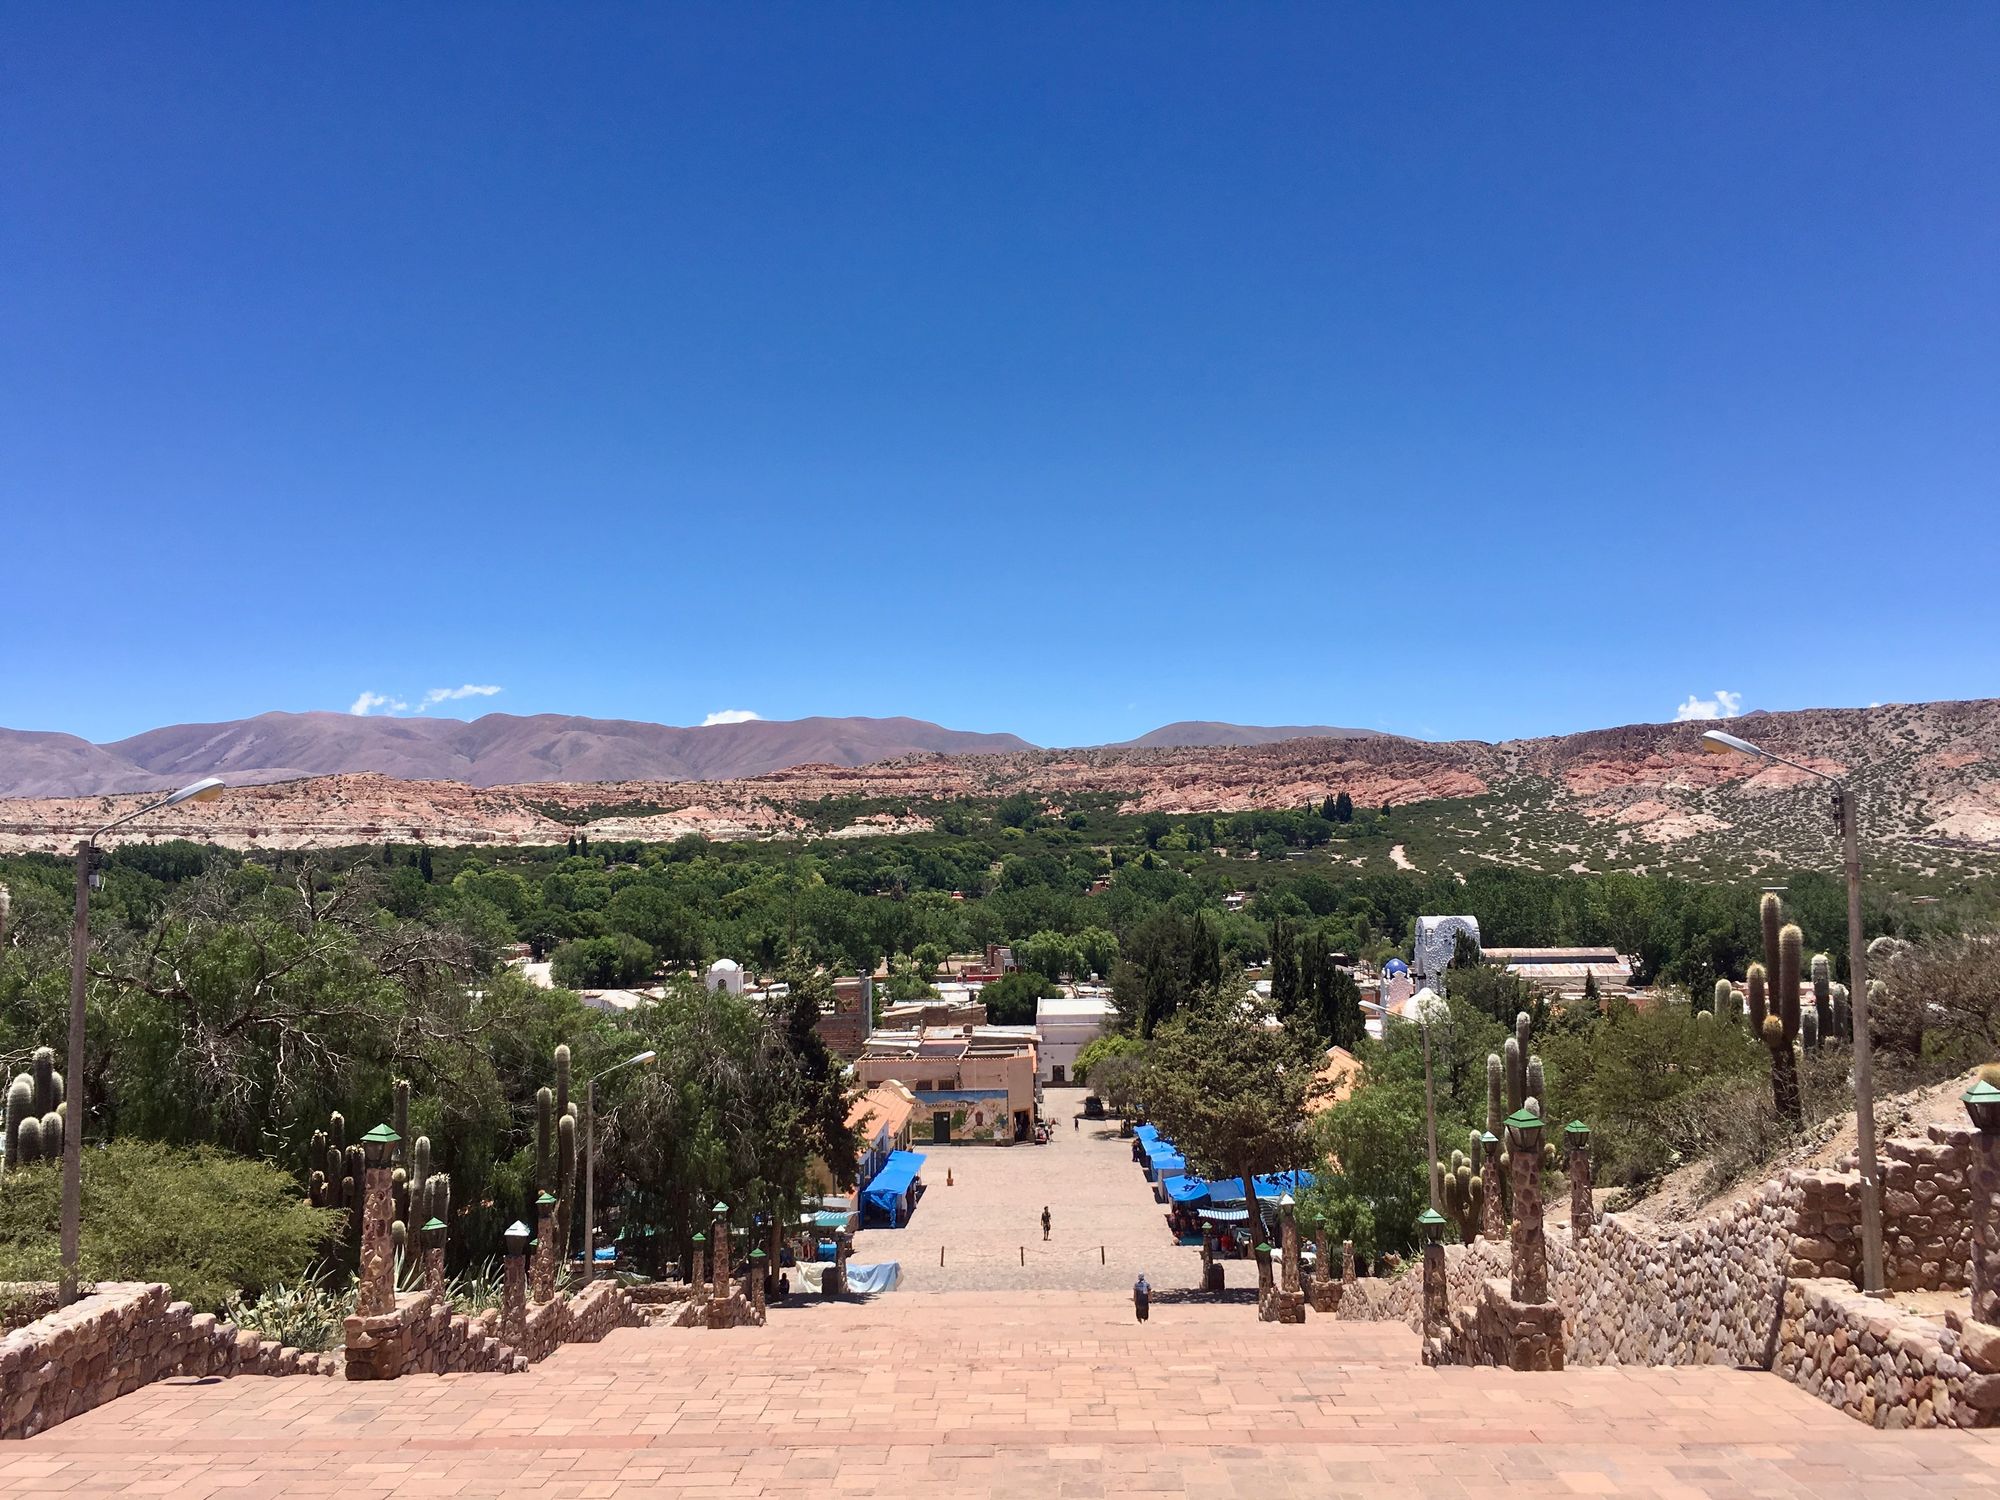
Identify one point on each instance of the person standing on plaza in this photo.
(1142, 1297)
(1045, 1221)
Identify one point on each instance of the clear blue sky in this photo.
(1459, 370)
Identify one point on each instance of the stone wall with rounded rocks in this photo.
(119, 1337)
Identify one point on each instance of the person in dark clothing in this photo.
(1045, 1222)
(1142, 1297)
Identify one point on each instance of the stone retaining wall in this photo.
(1926, 1215)
(1400, 1298)
(1708, 1294)
(1885, 1365)
(424, 1337)
(120, 1337)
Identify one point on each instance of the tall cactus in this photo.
(565, 1182)
(6, 906)
(1495, 1115)
(1725, 997)
(545, 1129)
(1843, 1014)
(399, 1115)
(1822, 988)
(1781, 1023)
(20, 1109)
(562, 1079)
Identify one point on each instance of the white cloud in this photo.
(1724, 705)
(730, 716)
(368, 703)
(446, 695)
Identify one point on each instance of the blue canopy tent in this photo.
(1186, 1190)
(888, 1191)
(1270, 1189)
(1165, 1164)
(1146, 1133)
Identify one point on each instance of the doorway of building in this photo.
(941, 1127)
(1057, 1076)
(1021, 1125)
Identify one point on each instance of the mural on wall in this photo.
(976, 1115)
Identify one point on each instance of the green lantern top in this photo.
(516, 1237)
(379, 1145)
(1430, 1216)
(701, 1239)
(758, 1254)
(381, 1135)
(1522, 1120)
(1576, 1127)
(545, 1200)
(433, 1225)
(1488, 1138)
(720, 1208)
(1263, 1248)
(1982, 1103)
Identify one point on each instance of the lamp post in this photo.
(1429, 1006)
(590, 1160)
(1718, 742)
(205, 790)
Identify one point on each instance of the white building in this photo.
(1437, 940)
(1068, 1024)
(725, 974)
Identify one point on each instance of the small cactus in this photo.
(420, 1165)
(1843, 1013)
(1464, 1194)
(1495, 1115)
(1704, 1015)
(1754, 1008)
(1809, 1030)
(1725, 993)
(336, 1131)
(1537, 1089)
(48, 1082)
(28, 1142)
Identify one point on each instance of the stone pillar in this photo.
(1530, 1276)
(1493, 1213)
(1266, 1308)
(514, 1288)
(377, 1292)
(1982, 1103)
(1347, 1262)
(545, 1248)
(1322, 1256)
(1288, 1239)
(721, 1274)
(1207, 1253)
(1576, 1136)
(1436, 1309)
(698, 1267)
(843, 1246)
(755, 1277)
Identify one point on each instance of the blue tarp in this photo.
(1160, 1166)
(1231, 1191)
(890, 1187)
(1147, 1132)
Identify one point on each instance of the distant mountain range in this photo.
(512, 750)
(493, 750)
(1207, 732)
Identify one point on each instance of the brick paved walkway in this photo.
(988, 1222)
(1035, 1395)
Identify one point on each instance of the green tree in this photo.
(1343, 809)
(1101, 1049)
(1229, 1090)
(1010, 1000)
(616, 961)
(1170, 959)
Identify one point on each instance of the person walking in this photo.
(1045, 1221)
(1142, 1297)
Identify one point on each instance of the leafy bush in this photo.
(1102, 1048)
(209, 1224)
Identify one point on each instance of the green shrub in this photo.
(207, 1223)
(304, 1314)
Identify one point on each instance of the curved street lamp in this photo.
(639, 1059)
(1721, 742)
(205, 790)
